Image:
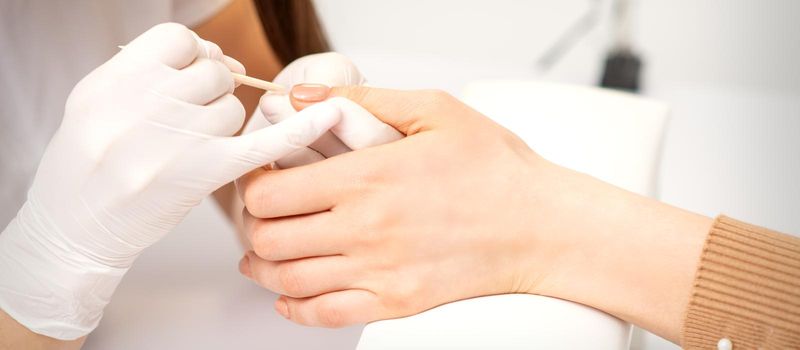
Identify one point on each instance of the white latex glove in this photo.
(358, 128)
(145, 137)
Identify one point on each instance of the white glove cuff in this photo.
(47, 287)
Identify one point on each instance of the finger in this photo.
(304, 95)
(324, 69)
(359, 129)
(295, 237)
(173, 45)
(409, 112)
(234, 66)
(300, 157)
(208, 49)
(200, 83)
(245, 180)
(277, 141)
(221, 160)
(222, 117)
(303, 278)
(277, 108)
(288, 192)
(332, 310)
(169, 43)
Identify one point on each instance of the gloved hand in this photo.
(145, 137)
(357, 129)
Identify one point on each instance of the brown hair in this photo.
(292, 28)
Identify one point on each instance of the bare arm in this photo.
(15, 336)
(446, 215)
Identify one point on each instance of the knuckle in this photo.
(214, 72)
(210, 49)
(255, 196)
(432, 99)
(373, 174)
(180, 38)
(435, 95)
(291, 281)
(271, 104)
(222, 76)
(265, 243)
(233, 114)
(330, 315)
(439, 94)
(404, 296)
(252, 226)
(248, 222)
(358, 94)
(373, 224)
(132, 184)
(173, 32)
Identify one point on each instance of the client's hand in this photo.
(459, 208)
(396, 229)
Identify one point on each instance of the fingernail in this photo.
(310, 92)
(281, 307)
(244, 266)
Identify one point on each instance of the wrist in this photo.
(47, 287)
(611, 249)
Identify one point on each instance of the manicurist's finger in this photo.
(277, 108)
(200, 83)
(169, 43)
(271, 143)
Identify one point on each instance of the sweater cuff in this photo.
(747, 289)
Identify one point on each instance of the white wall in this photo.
(728, 68)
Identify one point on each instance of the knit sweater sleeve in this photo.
(746, 289)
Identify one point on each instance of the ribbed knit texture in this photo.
(747, 289)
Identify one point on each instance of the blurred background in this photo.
(727, 69)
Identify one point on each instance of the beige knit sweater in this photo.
(747, 289)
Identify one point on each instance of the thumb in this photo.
(409, 112)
